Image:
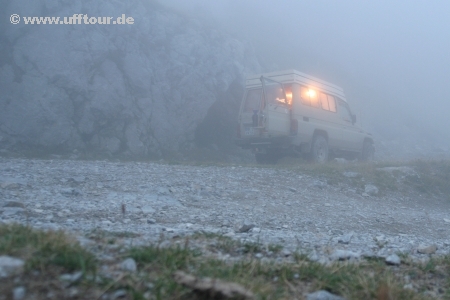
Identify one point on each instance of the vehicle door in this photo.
(329, 119)
(277, 107)
(351, 137)
(251, 112)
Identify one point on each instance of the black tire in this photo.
(368, 151)
(319, 150)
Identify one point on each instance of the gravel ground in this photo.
(160, 201)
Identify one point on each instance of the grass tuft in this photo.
(43, 249)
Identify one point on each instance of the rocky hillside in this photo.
(147, 89)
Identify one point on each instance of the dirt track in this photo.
(284, 207)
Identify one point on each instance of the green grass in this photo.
(431, 176)
(366, 280)
(53, 253)
(43, 249)
(109, 237)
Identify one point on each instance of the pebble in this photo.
(119, 294)
(246, 226)
(345, 239)
(129, 265)
(344, 255)
(10, 211)
(424, 249)
(10, 266)
(70, 192)
(19, 293)
(351, 174)
(323, 295)
(157, 195)
(393, 259)
(371, 190)
(147, 209)
(256, 230)
(71, 278)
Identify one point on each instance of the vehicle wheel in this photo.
(320, 149)
(368, 152)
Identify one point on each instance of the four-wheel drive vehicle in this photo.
(291, 113)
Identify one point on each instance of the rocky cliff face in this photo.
(138, 90)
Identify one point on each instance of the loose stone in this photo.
(10, 266)
(128, 264)
(393, 259)
(323, 295)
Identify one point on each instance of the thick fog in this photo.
(391, 58)
(172, 80)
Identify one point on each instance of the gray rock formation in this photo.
(137, 90)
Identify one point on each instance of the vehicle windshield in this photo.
(273, 91)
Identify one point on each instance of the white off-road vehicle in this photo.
(291, 113)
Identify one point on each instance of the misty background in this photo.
(391, 58)
(172, 82)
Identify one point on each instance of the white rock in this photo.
(408, 286)
(343, 255)
(128, 264)
(424, 249)
(147, 209)
(119, 294)
(351, 174)
(256, 230)
(393, 259)
(323, 295)
(19, 293)
(370, 189)
(229, 234)
(10, 266)
(71, 278)
(346, 238)
(246, 226)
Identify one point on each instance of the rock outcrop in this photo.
(136, 90)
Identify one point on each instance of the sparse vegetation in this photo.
(45, 249)
(54, 253)
(427, 177)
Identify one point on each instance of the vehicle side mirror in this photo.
(353, 119)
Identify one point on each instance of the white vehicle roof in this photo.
(294, 76)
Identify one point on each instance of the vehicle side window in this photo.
(332, 103)
(324, 101)
(328, 102)
(309, 97)
(253, 100)
(344, 111)
(275, 95)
